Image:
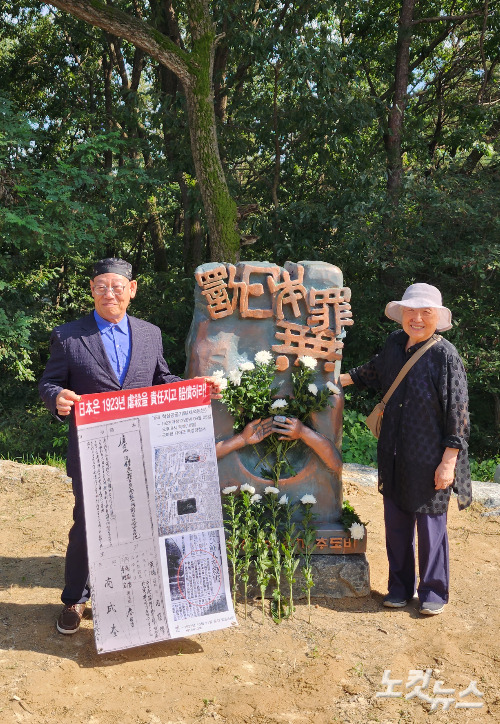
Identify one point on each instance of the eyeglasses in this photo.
(116, 290)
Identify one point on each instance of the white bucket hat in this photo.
(419, 296)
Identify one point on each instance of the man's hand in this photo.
(214, 384)
(65, 401)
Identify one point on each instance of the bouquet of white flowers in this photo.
(249, 394)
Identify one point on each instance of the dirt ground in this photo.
(327, 671)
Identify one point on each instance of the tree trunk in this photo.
(496, 401)
(192, 253)
(194, 70)
(157, 241)
(220, 208)
(392, 138)
(438, 128)
(277, 143)
(107, 65)
(220, 73)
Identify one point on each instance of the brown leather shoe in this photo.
(69, 618)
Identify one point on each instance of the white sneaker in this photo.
(431, 608)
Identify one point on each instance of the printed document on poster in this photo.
(157, 557)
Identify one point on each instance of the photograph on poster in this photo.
(186, 498)
(196, 582)
(196, 585)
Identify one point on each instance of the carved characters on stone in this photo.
(328, 309)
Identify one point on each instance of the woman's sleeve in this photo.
(366, 375)
(456, 408)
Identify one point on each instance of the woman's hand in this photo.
(445, 471)
(345, 379)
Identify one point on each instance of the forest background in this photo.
(173, 132)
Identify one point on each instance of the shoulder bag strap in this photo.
(408, 365)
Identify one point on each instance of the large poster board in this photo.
(157, 557)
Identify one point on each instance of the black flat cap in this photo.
(112, 266)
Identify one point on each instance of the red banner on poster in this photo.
(106, 406)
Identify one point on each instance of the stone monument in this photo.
(301, 309)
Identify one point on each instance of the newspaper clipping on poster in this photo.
(157, 556)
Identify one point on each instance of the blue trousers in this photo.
(433, 554)
(76, 572)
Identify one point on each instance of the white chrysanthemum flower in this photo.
(230, 489)
(333, 388)
(308, 499)
(278, 404)
(312, 388)
(256, 498)
(217, 373)
(222, 383)
(357, 531)
(263, 357)
(246, 488)
(247, 366)
(283, 500)
(235, 377)
(309, 362)
(270, 490)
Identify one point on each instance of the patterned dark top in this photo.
(427, 412)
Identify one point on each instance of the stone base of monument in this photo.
(339, 576)
(335, 576)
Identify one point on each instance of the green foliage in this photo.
(485, 469)
(358, 444)
(306, 398)
(301, 94)
(261, 534)
(433, 237)
(349, 515)
(31, 434)
(250, 396)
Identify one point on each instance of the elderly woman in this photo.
(422, 448)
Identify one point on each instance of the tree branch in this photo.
(116, 51)
(277, 145)
(135, 30)
(423, 55)
(451, 18)
(368, 78)
(483, 56)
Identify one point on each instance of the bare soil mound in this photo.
(261, 673)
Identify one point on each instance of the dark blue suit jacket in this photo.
(78, 362)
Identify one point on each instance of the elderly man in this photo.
(105, 351)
